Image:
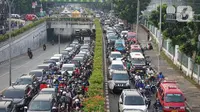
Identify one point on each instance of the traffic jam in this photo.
(58, 84)
(130, 74)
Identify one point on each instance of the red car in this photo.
(31, 17)
(131, 37)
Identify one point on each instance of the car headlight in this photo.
(127, 84)
(182, 107)
(166, 107)
(144, 67)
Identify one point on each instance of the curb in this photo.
(106, 91)
(188, 107)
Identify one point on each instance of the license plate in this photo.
(174, 110)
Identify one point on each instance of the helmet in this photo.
(64, 93)
(160, 72)
(76, 100)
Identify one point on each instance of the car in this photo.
(7, 106)
(48, 91)
(124, 34)
(131, 100)
(21, 95)
(75, 42)
(171, 97)
(87, 40)
(47, 67)
(59, 55)
(58, 61)
(85, 57)
(71, 50)
(115, 55)
(50, 61)
(116, 65)
(131, 37)
(120, 46)
(38, 73)
(85, 47)
(68, 67)
(111, 37)
(87, 52)
(66, 55)
(136, 48)
(119, 80)
(76, 61)
(30, 80)
(42, 103)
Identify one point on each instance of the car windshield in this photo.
(120, 77)
(56, 60)
(14, 93)
(47, 92)
(116, 55)
(23, 81)
(78, 59)
(3, 110)
(138, 61)
(37, 74)
(174, 98)
(112, 37)
(131, 36)
(124, 33)
(43, 67)
(134, 100)
(67, 68)
(132, 110)
(135, 50)
(117, 67)
(119, 45)
(40, 106)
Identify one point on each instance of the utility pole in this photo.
(9, 3)
(138, 12)
(160, 36)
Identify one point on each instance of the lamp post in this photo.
(138, 10)
(198, 47)
(160, 36)
(9, 3)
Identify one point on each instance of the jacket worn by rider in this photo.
(43, 86)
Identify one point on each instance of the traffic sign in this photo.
(184, 14)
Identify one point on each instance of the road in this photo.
(113, 98)
(22, 64)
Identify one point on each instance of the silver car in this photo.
(115, 55)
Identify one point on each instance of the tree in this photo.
(127, 9)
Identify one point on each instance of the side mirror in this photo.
(147, 56)
(185, 99)
(120, 101)
(114, 58)
(162, 99)
(25, 108)
(1, 95)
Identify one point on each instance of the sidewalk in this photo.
(191, 92)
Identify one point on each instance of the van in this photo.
(171, 97)
(120, 46)
(138, 62)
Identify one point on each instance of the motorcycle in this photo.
(30, 54)
(44, 47)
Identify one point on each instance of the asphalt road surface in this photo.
(22, 64)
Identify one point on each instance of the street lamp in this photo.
(9, 3)
(160, 36)
(138, 10)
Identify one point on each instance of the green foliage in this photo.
(95, 102)
(21, 30)
(183, 34)
(127, 9)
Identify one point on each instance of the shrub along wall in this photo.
(95, 102)
(21, 30)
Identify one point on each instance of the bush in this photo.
(21, 30)
(95, 102)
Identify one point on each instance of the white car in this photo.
(68, 67)
(57, 60)
(115, 55)
(116, 65)
(124, 33)
(131, 100)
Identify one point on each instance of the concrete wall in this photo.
(34, 38)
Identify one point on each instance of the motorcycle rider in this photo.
(69, 98)
(157, 105)
(128, 66)
(29, 52)
(160, 76)
(44, 47)
(43, 85)
(77, 104)
(63, 99)
(148, 35)
(141, 84)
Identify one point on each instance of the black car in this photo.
(21, 95)
(7, 106)
(30, 80)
